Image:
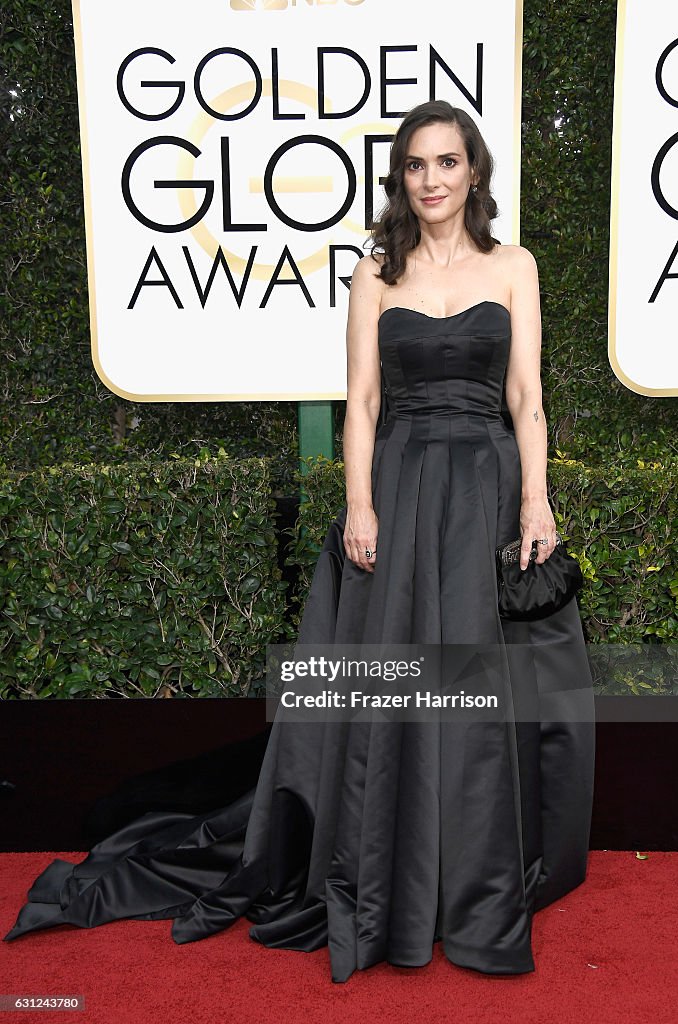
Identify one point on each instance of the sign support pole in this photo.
(316, 433)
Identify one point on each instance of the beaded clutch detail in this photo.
(511, 552)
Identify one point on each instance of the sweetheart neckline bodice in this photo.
(452, 316)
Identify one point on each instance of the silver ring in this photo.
(368, 553)
(543, 540)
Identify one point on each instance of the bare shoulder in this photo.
(366, 272)
(517, 259)
(366, 287)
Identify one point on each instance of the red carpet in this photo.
(606, 953)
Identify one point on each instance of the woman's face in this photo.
(437, 175)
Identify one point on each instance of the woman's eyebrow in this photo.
(441, 156)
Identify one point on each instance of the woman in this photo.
(440, 257)
(379, 838)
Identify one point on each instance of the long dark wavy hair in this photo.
(397, 231)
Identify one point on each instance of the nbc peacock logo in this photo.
(259, 5)
(285, 5)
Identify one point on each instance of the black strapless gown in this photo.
(380, 839)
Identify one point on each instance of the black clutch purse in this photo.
(537, 590)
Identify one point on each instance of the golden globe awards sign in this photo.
(233, 153)
(643, 300)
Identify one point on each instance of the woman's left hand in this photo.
(536, 520)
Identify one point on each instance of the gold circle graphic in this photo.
(186, 167)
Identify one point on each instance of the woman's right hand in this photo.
(360, 533)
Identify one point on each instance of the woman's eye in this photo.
(414, 165)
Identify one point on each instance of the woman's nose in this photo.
(431, 176)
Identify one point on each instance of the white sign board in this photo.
(643, 284)
(233, 153)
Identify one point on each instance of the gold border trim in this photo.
(627, 381)
(87, 197)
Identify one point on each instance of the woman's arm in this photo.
(524, 400)
(362, 410)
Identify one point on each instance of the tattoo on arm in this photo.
(536, 417)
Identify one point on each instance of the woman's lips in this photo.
(433, 200)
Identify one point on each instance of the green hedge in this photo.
(52, 405)
(162, 580)
(138, 581)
